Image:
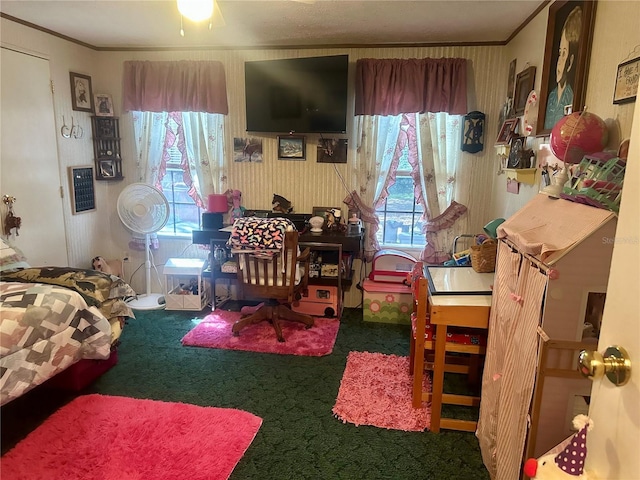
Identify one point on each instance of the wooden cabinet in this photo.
(106, 148)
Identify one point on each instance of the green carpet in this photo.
(299, 439)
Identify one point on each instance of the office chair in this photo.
(278, 276)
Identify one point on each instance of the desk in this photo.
(337, 241)
(453, 296)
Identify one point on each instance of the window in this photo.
(423, 148)
(185, 215)
(401, 216)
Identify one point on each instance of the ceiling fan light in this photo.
(196, 10)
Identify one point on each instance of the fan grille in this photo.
(143, 208)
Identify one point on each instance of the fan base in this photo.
(152, 301)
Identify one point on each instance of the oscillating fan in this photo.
(144, 209)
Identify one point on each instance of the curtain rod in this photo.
(541, 265)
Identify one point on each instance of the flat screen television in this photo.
(297, 95)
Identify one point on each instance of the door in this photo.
(613, 442)
(29, 169)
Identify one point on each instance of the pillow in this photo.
(94, 286)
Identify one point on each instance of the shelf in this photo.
(106, 148)
(522, 175)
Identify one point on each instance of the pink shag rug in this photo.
(99, 437)
(215, 332)
(376, 390)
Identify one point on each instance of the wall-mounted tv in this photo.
(299, 95)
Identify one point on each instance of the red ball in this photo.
(577, 135)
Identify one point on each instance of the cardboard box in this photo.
(387, 302)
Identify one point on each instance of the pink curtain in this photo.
(393, 86)
(180, 86)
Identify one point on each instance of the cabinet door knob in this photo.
(614, 363)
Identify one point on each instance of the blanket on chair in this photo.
(258, 234)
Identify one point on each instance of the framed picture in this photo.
(291, 147)
(247, 149)
(570, 31)
(332, 150)
(81, 94)
(507, 131)
(104, 105)
(627, 81)
(107, 169)
(524, 84)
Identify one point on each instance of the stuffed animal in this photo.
(569, 463)
(112, 267)
(281, 204)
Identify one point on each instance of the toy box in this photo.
(387, 302)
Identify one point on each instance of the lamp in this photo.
(196, 10)
(217, 206)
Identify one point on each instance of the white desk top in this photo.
(459, 286)
(458, 280)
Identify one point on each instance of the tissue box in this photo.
(387, 302)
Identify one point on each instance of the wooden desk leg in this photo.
(438, 378)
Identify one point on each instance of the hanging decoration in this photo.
(11, 221)
(473, 132)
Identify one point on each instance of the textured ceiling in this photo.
(125, 24)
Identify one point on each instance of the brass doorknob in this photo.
(614, 363)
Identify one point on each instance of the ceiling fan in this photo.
(200, 10)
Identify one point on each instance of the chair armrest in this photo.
(304, 259)
(304, 256)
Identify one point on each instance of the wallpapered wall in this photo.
(308, 183)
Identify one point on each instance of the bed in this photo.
(54, 319)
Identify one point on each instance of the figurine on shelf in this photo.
(334, 220)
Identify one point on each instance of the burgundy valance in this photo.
(393, 86)
(180, 86)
